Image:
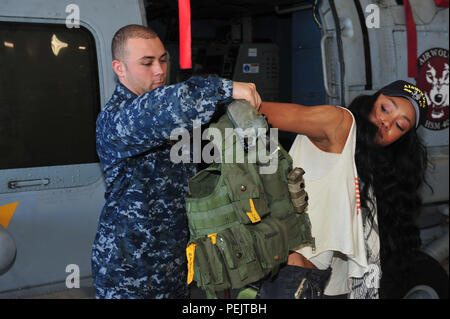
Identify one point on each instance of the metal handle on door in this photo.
(28, 183)
(324, 66)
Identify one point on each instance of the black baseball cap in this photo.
(413, 94)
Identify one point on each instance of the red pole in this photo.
(184, 10)
(442, 3)
(411, 33)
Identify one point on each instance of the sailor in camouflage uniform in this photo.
(139, 248)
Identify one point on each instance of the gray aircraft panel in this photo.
(54, 223)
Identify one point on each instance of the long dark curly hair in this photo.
(394, 173)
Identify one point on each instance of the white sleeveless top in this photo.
(331, 182)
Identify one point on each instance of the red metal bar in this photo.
(442, 3)
(412, 40)
(184, 10)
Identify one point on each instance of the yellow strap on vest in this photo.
(190, 252)
(253, 215)
(213, 238)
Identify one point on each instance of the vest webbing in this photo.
(242, 223)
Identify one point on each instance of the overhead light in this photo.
(57, 45)
(8, 44)
(81, 47)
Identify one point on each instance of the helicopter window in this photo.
(49, 95)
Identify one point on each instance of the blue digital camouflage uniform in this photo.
(139, 248)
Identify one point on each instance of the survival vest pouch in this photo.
(242, 222)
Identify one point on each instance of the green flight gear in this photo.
(242, 219)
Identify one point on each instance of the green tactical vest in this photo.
(242, 223)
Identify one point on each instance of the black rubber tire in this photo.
(426, 272)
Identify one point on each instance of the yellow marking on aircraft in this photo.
(6, 213)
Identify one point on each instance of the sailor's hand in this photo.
(247, 91)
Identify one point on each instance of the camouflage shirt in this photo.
(139, 248)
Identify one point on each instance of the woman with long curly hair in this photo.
(364, 166)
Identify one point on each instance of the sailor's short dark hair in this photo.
(119, 41)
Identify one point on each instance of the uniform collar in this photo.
(122, 91)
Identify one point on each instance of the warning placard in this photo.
(250, 68)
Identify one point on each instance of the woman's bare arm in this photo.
(327, 126)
